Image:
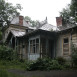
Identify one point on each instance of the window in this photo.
(34, 46)
(65, 40)
(66, 46)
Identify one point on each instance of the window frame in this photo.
(65, 53)
(34, 45)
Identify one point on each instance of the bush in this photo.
(54, 65)
(6, 53)
(61, 60)
(44, 64)
(74, 55)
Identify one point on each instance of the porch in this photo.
(41, 44)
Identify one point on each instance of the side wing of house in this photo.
(64, 42)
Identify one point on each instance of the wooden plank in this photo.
(74, 38)
(65, 53)
(74, 35)
(74, 41)
(66, 49)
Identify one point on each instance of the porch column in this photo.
(54, 49)
(15, 43)
(40, 47)
(29, 50)
(11, 41)
(46, 46)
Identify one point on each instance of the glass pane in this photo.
(65, 40)
(33, 41)
(30, 48)
(30, 41)
(33, 49)
(37, 40)
(37, 48)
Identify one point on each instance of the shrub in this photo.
(74, 55)
(6, 53)
(44, 64)
(54, 65)
(61, 60)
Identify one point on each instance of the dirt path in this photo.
(53, 73)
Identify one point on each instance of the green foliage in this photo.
(73, 7)
(69, 14)
(6, 53)
(8, 11)
(3, 73)
(44, 64)
(61, 60)
(33, 23)
(13, 64)
(65, 15)
(0, 34)
(74, 55)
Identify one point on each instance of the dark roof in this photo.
(67, 27)
(40, 32)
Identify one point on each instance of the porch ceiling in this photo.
(17, 33)
(42, 33)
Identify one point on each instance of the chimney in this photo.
(59, 21)
(21, 20)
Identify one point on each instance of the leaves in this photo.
(6, 53)
(69, 14)
(8, 11)
(33, 23)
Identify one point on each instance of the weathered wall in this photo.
(59, 45)
(12, 27)
(74, 39)
(23, 49)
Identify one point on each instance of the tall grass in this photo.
(15, 64)
(3, 73)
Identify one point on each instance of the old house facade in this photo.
(31, 43)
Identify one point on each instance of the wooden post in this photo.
(46, 46)
(29, 50)
(40, 47)
(15, 43)
(54, 49)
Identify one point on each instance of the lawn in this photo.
(5, 73)
(18, 69)
(5, 64)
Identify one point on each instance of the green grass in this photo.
(5, 65)
(16, 75)
(12, 65)
(4, 73)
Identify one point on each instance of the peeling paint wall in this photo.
(59, 45)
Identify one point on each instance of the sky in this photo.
(40, 9)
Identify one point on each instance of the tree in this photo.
(32, 22)
(73, 9)
(69, 14)
(8, 11)
(65, 15)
